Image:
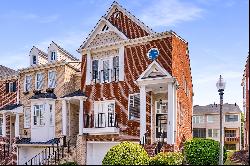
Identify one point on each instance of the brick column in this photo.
(81, 150)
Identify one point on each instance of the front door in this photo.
(161, 119)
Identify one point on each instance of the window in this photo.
(199, 132)
(230, 146)
(51, 114)
(198, 119)
(1, 126)
(104, 114)
(213, 133)
(116, 68)
(134, 106)
(230, 133)
(52, 79)
(34, 59)
(27, 118)
(117, 14)
(95, 69)
(231, 118)
(27, 83)
(210, 118)
(38, 115)
(106, 71)
(10, 87)
(53, 56)
(39, 81)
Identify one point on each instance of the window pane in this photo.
(27, 118)
(106, 70)
(134, 109)
(209, 132)
(52, 79)
(95, 69)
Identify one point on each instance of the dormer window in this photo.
(53, 56)
(34, 60)
(105, 28)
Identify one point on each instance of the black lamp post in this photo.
(221, 86)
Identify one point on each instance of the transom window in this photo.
(38, 115)
(52, 79)
(231, 118)
(198, 119)
(105, 28)
(27, 83)
(39, 81)
(134, 106)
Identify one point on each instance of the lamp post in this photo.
(221, 86)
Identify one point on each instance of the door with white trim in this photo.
(161, 117)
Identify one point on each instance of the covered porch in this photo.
(162, 85)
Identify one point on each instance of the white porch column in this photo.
(64, 117)
(121, 63)
(4, 125)
(142, 111)
(171, 114)
(17, 125)
(81, 118)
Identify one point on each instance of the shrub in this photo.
(200, 151)
(126, 153)
(168, 158)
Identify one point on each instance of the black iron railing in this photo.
(52, 155)
(101, 120)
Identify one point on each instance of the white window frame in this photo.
(39, 117)
(11, 87)
(26, 123)
(134, 94)
(209, 120)
(197, 119)
(25, 83)
(51, 56)
(232, 121)
(102, 107)
(49, 80)
(42, 81)
(213, 133)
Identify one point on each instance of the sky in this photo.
(216, 30)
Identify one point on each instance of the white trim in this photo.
(50, 71)
(143, 110)
(25, 82)
(121, 63)
(37, 81)
(161, 114)
(101, 131)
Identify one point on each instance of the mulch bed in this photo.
(241, 156)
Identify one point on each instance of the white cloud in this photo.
(170, 12)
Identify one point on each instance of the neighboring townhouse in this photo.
(138, 85)
(41, 111)
(8, 98)
(206, 124)
(245, 86)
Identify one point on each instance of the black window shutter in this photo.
(14, 86)
(7, 87)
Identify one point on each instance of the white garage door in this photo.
(96, 151)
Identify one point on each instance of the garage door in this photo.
(96, 152)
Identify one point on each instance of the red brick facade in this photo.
(173, 57)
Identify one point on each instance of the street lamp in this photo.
(221, 86)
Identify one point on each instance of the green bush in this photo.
(126, 153)
(201, 151)
(168, 158)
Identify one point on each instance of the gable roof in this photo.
(5, 71)
(106, 18)
(40, 52)
(66, 52)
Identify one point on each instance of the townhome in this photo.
(138, 85)
(41, 111)
(8, 99)
(206, 124)
(245, 86)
